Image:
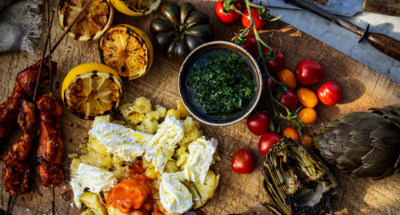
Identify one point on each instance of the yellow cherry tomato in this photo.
(287, 77)
(307, 97)
(292, 133)
(308, 115)
(307, 141)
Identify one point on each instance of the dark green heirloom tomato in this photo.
(178, 30)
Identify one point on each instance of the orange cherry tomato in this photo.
(292, 133)
(307, 97)
(307, 141)
(308, 115)
(287, 77)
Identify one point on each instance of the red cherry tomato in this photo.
(330, 93)
(275, 66)
(309, 72)
(243, 161)
(260, 24)
(288, 99)
(250, 45)
(259, 123)
(267, 141)
(231, 16)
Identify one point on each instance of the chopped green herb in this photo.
(222, 83)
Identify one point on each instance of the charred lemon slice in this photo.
(128, 50)
(93, 22)
(91, 89)
(136, 7)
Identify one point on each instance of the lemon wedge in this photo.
(91, 25)
(128, 50)
(91, 89)
(136, 7)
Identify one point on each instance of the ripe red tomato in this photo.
(330, 93)
(259, 123)
(260, 24)
(243, 161)
(309, 72)
(267, 141)
(250, 45)
(231, 16)
(292, 133)
(275, 66)
(288, 99)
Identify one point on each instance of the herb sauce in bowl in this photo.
(220, 84)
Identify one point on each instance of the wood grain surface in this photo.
(388, 7)
(362, 88)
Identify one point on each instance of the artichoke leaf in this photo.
(386, 138)
(344, 163)
(361, 131)
(354, 118)
(354, 152)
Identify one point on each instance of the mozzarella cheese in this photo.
(200, 159)
(162, 145)
(121, 141)
(174, 196)
(93, 178)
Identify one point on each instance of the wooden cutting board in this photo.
(388, 7)
(362, 88)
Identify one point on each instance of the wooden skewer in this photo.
(49, 43)
(50, 22)
(9, 203)
(43, 57)
(70, 26)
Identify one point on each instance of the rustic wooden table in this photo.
(362, 88)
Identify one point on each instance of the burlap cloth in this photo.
(20, 24)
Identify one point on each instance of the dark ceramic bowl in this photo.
(193, 56)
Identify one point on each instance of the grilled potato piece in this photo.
(74, 166)
(98, 160)
(203, 192)
(95, 145)
(173, 113)
(191, 136)
(183, 112)
(148, 126)
(171, 167)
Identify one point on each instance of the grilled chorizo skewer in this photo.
(16, 171)
(23, 89)
(51, 146)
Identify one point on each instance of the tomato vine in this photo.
(262, 59)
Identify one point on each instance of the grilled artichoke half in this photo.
(297, 180)
(362, 143)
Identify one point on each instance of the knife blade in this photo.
(345, 7)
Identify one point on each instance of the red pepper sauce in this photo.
(134, 194)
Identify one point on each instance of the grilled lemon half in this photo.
(91, 89)
(128, 50)
(93, 22)
(136, 7)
